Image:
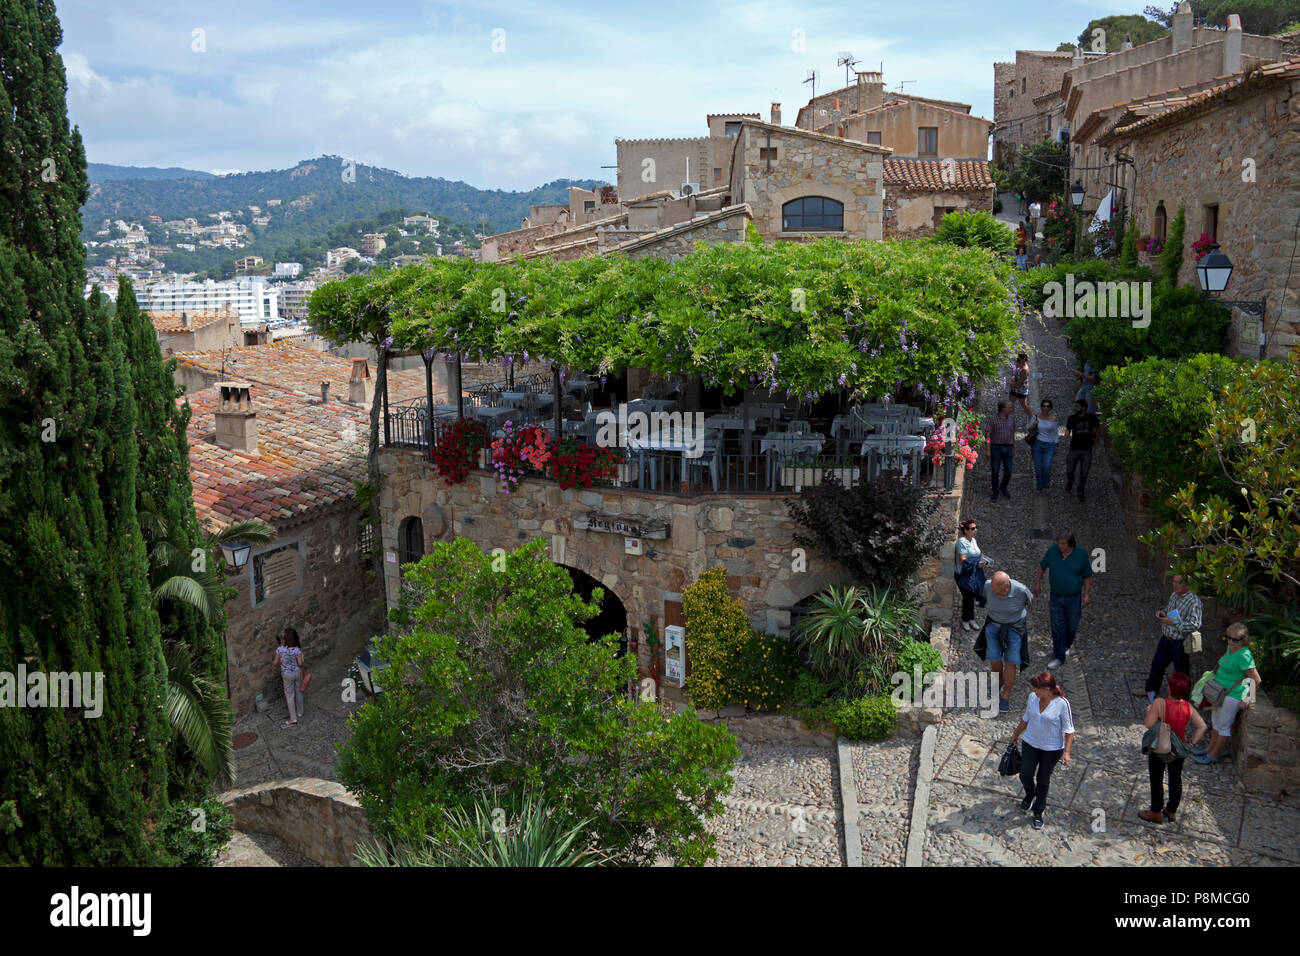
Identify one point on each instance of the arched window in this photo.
(410, 541)
(810, 213)
(1158, 222)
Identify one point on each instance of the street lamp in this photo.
(1213, 272)
(236, 554)
(1077, 193)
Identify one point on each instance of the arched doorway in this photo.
(612, 618)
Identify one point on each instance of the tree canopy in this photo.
(799, 319)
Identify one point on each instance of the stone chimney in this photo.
(871, 91)
(236, 419)
(1232, 46)
(324, 393)
(1183, 27)
(1078, 58)
(776, 114)
(360, 385)
(185, 320)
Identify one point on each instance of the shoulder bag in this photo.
(1031, 436)
(1009, 765)
(1213, 692)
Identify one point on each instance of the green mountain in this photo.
(105, 172)
(315, 196)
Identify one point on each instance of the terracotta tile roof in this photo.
(971, 174)
(169, 322)
(1152, 114)
(309, 454)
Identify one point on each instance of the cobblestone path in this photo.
(974, 814)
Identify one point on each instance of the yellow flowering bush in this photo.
(731, 663)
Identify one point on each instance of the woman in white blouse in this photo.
(1048, 728)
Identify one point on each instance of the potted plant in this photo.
(1155, 246)
(1142, 243)
(575, 463)
(1201, 247)
(798, 474)
(520, 451)
(458, 448)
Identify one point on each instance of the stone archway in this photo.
(613, 616)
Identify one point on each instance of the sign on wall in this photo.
(625, 525)
(675, 654)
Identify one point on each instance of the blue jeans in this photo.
(1044, 452)
(1000, 457)
(995, 650)
(1066, 611)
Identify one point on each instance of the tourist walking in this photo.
(1175, 713)
(1004, 641)
(969, 567)
(1035, 214)
(1022, 246)
(1070, 578)
(289, 657)
(1047, 435)
(1019, 387)
(1082, 429)
(1237, 675)
(1048, 728)
(1088, 379)
(1002, 447)
(1181, 616)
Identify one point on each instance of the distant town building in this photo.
(287, 270)
(253, 298)
(373, 243)
(248, 262)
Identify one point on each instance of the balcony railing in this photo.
(724, 470)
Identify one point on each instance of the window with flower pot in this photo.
(1210, 220)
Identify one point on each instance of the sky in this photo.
(503, 94)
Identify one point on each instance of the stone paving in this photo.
(974, 815)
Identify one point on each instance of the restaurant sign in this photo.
(628, 527)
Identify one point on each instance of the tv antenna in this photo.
(847, 61)
(812, 78)
(903, 84)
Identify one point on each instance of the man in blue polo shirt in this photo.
(1070, 576)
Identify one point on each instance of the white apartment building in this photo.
(287, 270)
(252, 297)
(293, 298)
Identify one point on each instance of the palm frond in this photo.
(187, 590)
(200, 713)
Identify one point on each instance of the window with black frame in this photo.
(810, 213)
(410, 541)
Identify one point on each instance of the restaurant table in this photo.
(907, 450)
(543, 399)
(638, 446)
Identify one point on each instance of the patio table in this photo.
(782, 445)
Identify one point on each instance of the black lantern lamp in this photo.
(236, 554)
(1077, 193)
(1213, 272)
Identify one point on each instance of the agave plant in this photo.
(530, 837)
(852, 636)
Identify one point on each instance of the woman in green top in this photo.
(1235, 668)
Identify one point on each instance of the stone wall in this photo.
(751, 536)
(678, 243)
(336, 608)
(913, 209)
(808, 164)
(1198, 163)
(318, 818)
(1266, 736)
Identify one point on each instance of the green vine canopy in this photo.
(806, 319)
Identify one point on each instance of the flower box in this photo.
(799, 477)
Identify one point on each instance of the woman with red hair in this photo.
(1176, 713)
(1048, 727)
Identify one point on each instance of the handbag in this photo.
(1009, 765)
(1194, 642)
(1031, 436)
(306, 679)
(1213, 692)
(1165, 744)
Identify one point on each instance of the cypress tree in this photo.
(165, 491)
(74, 595)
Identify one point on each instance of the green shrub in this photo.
(195, 839)
(731, 663)
(851, 638)
(923, 655)
(1184, 321)
(1128, 256)
(1171, 258)
(1155, 412)
(867, 718)
(975, 228)
(808, 691)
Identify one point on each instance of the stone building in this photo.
(187, 331)
(1024, 92)
(268, 442)
(867, 93)
(800, 184)
(1229, 156)
(920, 192)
